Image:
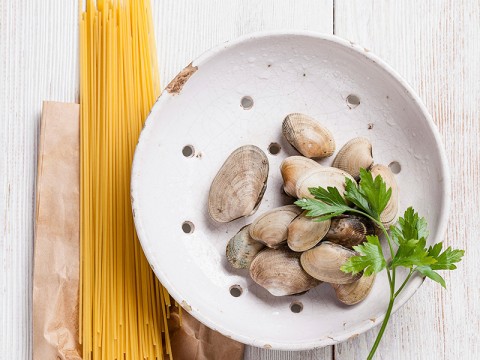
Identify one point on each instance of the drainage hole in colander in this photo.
(353, 101)
(188, 227)
(395, 167)
(188, 151)
(246, 103)
(274, 148)
(296, 307)
(236, 290)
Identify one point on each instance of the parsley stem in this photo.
(382, 329)
(405, 282)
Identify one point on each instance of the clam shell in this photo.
(324, 261)
(324, 177)
(307, 136)
(279, 272)
(389, 214)
(355, 154)
(271, 227)
(242, 249)
(239, 185)
(304, 233)
(294, 167)
(349, 230)
(351, 294)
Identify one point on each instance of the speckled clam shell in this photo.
(389, 214)
(242, 249)
(304, 232)
(308, 136)
(279, 271)
(351, 294)
(324, 261)
(324, 177)
(271, 227)
(355, 154)
(294, 167)
(239, 185)
(349, 230)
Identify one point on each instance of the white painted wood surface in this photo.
(434, 44)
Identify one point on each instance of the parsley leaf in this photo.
(412, 253)
(329, 196)
(427, 271)
(320, 210)
(327, 203)
(353, 194)
(410, 226)
(445, 260)
(371, 195)
(370, 260)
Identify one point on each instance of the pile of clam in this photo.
(285, 251)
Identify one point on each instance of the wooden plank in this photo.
(38, 52)
(434, 45)
(185, 29)
(39, 61)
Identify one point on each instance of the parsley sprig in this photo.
(409, 236)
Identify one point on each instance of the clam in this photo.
(389, 214)
(355, 154)
(271, 227)
(242, 249)
(351, 294)
(279, 272)
(239, 185)
(324, 177)
(324, 261)
(294, 167)
(349, 230)
(307, 136)
(304, 232)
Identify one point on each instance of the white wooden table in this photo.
(434, 44)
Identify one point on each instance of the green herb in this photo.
(370, 197)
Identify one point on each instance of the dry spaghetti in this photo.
(123, 309)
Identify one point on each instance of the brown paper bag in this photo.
(56, 256)
(195, 341)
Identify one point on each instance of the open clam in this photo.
(351, 294)
(279, 272)
(349, 230)
(324, 261)
(307, 136)
(324, 176)
(239, 185)
(389, 214)
(355, 154)
(304, 232)
(294, 167)
(242, 249)
(271, 227)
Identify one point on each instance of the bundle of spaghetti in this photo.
(123, 309)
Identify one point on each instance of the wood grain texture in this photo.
(185, 29)
(435, 46)
(38, 61)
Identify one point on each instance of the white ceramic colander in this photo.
(237, 94)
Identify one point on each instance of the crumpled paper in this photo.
(56, 254)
